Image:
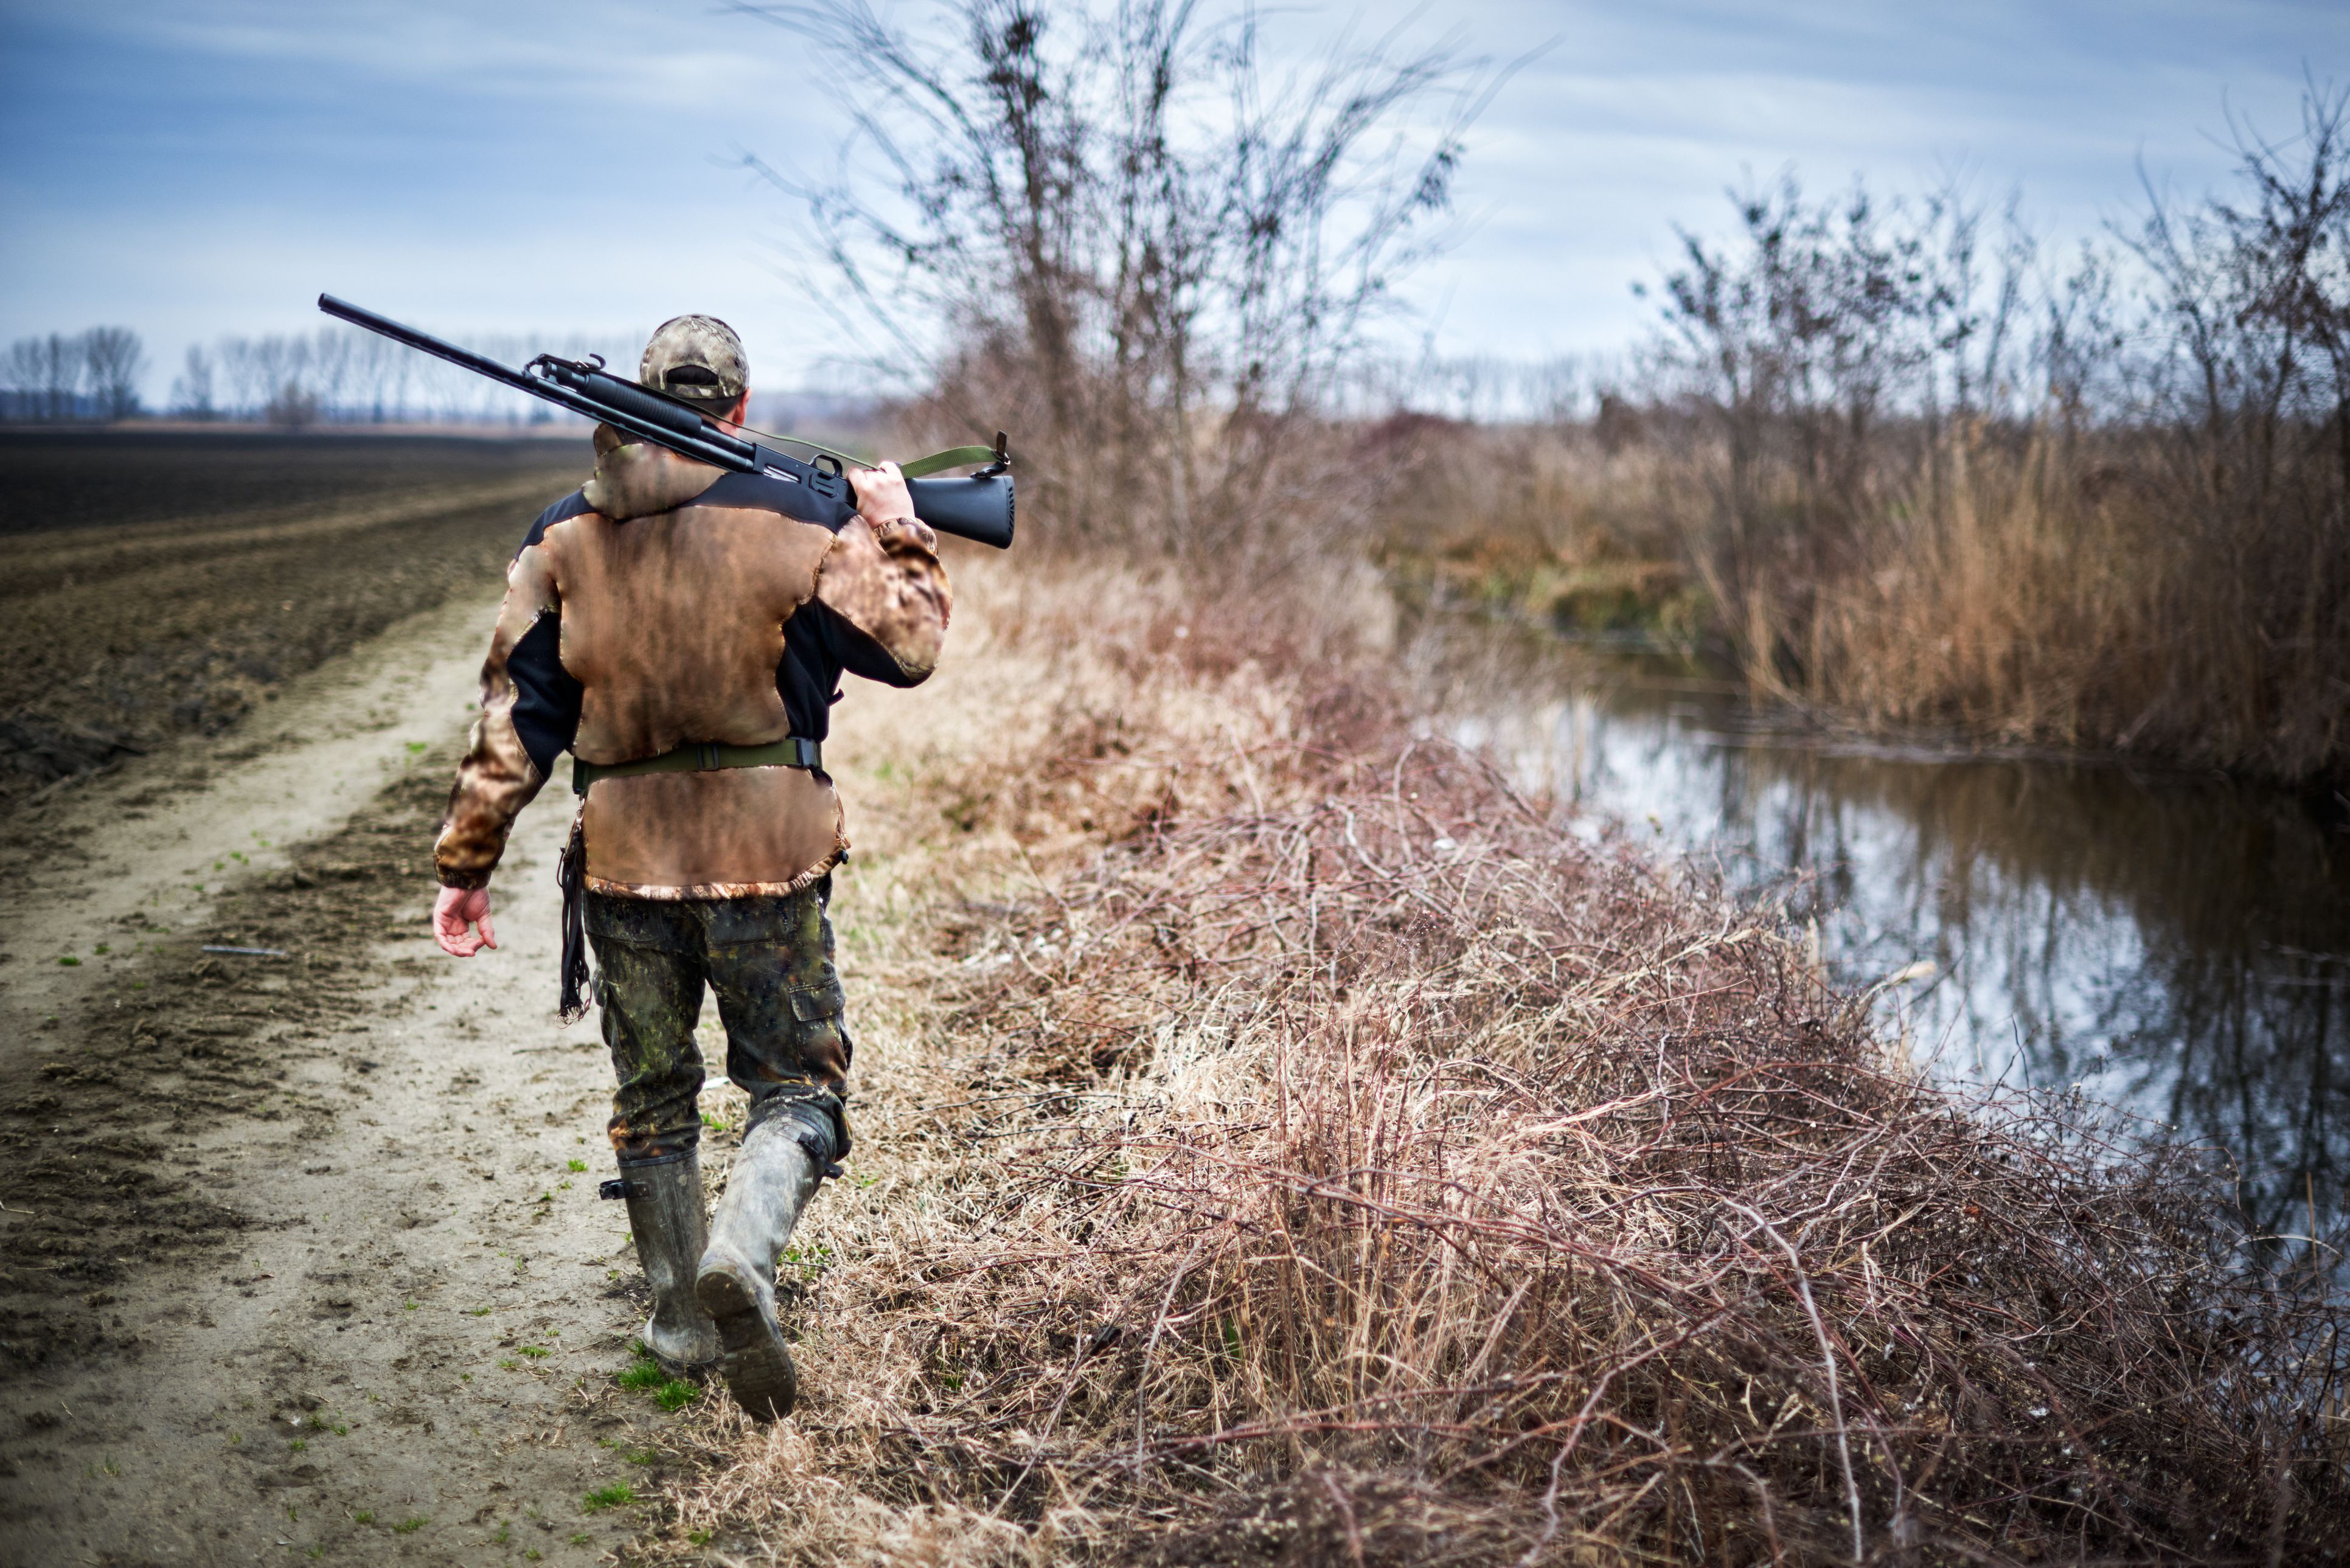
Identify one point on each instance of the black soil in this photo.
(161, 585)
(109, 478)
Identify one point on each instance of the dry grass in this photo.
(1281, 1143)
(2013, 587)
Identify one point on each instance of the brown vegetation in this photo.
(1330, 1157)
(1918, 483)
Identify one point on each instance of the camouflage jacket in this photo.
(664, 604)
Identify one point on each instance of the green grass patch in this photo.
(617, 1495)
(644, 1376)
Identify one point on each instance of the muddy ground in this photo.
(300, 1252)
(163, 584)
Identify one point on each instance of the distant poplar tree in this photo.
(113, 359)
(191, 393)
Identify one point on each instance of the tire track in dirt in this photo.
(297, 1264)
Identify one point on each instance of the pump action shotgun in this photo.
(977, 507)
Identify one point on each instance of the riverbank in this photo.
(1990, 588)
(1281, 1141)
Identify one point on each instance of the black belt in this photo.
(797, 752)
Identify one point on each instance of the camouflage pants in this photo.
(770, 962)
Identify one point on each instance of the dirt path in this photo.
(303, 1254)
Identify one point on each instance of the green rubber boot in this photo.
(774, 1175)
(665, 1218)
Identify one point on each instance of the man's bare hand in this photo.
(882, 494)
(456, 908)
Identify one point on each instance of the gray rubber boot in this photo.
(774, 1175)
(665, 1217)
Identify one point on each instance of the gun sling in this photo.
(797, 752)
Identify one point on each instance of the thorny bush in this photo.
(1418, 1181)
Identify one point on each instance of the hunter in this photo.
(681, 631)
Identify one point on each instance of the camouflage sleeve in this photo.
(889, 586)
(496, 778)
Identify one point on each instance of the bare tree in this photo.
(59, 369)
(1113, 228)
(114, 360)
(21, 376)
(192, 391)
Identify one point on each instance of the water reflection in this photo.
(2180, 947)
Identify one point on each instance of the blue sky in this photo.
(208, 166)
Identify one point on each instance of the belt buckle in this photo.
(706, 758)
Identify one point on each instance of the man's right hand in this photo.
(456, 908)
(882, 497)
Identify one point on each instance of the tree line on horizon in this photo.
(92, 375)
(335, 375)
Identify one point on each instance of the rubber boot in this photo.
(773, 1177)
(665, 1217)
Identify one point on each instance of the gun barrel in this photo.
(358, 315)
(681, 430)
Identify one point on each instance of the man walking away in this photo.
(683, 632)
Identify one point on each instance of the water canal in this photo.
(2176, 946)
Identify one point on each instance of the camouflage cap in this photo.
(695, 357)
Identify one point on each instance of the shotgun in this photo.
(977, 507)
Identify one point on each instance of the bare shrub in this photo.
(1569, 1209)
(2252, 399)
(1112, 230)
(1895, 463)
(1835, 349)
(1348, 1163)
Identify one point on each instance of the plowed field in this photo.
(163, 584)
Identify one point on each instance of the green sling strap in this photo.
(919, 468)
(953, 457)
(798, 751)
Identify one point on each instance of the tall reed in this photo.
(1916, 479)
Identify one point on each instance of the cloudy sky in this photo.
(206, 166)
